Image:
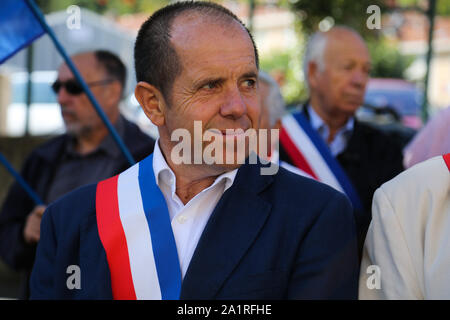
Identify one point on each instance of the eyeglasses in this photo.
(73, 87)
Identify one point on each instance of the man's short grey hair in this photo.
(315, 52)
(274, 99)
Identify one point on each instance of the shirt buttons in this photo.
(181, 219)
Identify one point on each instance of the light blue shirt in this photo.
(341, 138)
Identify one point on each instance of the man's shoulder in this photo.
(373, 145)
(50, 148)
(376, 136)
(300, 204)
(297, 190)
(69, 210)
(286, 176)
(432, 174)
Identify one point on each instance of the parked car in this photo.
(397, 99)
(394, 106)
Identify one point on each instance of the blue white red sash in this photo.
(135, 230)
(447, 160)
(310, 153)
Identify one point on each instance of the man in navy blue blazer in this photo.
(221, 229)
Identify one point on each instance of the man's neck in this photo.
(334, 121)
(190, 179)
(88, 142)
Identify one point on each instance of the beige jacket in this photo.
(407, 249)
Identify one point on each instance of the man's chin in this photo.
(351, 107)
(76, 130)
(73, 130)
(228, 166)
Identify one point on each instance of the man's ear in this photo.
(151, 101)
(313, 72)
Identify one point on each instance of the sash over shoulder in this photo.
(135, 231)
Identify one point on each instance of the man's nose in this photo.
(359, 78)
(234, 105)
(63, 96)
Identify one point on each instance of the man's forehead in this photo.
(196, 27)
(86, 63)
(197, 18)
(346, 46)
(190, 37)
(210, 64)
(345, 40)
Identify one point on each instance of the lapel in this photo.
(230, 231)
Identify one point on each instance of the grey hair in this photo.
(274, 99)
(315, 51)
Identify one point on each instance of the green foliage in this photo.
(348, 12)
(117, 7)
(289, 64)
(387, 62)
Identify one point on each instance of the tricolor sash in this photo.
(135, 230)
(309, 152)
(447, 160)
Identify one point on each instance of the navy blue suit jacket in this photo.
(269, 237)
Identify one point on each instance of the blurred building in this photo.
(411, 32)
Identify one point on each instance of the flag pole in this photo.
(37, 200)
(37, 13)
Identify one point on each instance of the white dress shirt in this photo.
(188, 221)
(341, 138)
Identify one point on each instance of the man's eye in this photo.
(348, 67)
(250, 83)
(210, 85)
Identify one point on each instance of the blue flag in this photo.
(18, 27)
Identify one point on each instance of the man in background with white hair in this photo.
(356, 157)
